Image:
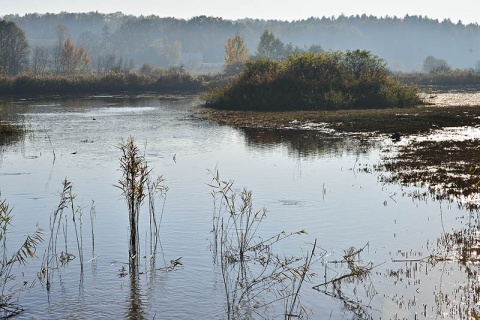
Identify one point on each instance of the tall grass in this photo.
(27, 84)
(59, 223)
(254, 277)
(449, 79)
(136, 184)
(8, 308)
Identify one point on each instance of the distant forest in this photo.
(199, 43)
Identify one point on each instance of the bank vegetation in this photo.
(309, 81)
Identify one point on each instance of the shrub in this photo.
(309, 81)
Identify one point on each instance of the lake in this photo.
(322, 183)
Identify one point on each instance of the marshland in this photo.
(313, 185)
(381, 247)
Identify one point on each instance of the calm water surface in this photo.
(306, 180)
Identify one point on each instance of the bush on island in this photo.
(309, 81)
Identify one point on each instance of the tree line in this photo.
(199, 42)
(67, 58)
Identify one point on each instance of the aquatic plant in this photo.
(308, 81)
(51, 258)
(135, 185)
(8, 308)
(254, 277)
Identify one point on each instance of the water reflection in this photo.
(135, 302)
(354, 212)
(304, 143)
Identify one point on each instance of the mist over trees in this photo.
(13, 49)
(122, 42)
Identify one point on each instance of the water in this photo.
(308, 181)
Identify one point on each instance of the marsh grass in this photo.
(93, 215)
(254, 277)
(451, 79)
(156, 191)
(59, 223)
(136, 184)
(169, 81)
(9, 287)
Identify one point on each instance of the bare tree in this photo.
(39, 60)
(109, 63)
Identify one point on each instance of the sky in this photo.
(464, 10)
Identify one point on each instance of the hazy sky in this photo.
(465, 10)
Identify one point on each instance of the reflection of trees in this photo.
(308, 142)
(11, 131)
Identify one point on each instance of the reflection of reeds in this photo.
(356, 273)
(92, 218)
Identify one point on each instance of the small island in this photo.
(314, 81)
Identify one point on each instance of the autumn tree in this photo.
(236, 53)
(14, 48)
(72, 59)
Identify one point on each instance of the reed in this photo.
(59, 222)
(136, 184)
(448, 79)
(93, 215)
(114, 82)
(253, 276)
(156, 190)
(8, 308)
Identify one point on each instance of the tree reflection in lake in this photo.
(310, 142)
